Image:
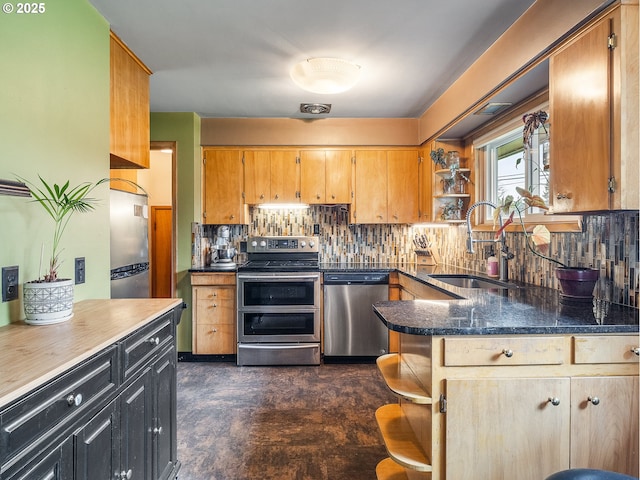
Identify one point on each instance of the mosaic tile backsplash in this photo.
(609, 242)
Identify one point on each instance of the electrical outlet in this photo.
(9, 283)
(79, 270)
(316, 229)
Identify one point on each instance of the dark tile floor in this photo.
(302, 423)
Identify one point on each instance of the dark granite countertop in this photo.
(523, 310)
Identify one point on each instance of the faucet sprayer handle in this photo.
(470, 244)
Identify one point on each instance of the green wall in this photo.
(54, 121)
(184, 129)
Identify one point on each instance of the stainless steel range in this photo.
(279, 302)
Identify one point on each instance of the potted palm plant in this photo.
(49, 299)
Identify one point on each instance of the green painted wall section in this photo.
(54, 121)
(184, 129)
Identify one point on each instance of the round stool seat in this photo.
(588, 474)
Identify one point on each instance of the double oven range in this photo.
(279, 302)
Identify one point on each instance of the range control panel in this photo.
(282, 244)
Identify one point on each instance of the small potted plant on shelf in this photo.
(49, 299)
(455, 183)
(575, 282)
(452, 210)
(439, 158)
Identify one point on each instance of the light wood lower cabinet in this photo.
(533, 406)
(214, 317)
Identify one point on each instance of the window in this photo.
(507, 166)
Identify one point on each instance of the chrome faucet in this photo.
(505, 254)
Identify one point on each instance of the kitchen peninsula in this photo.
(91, 396)
(494, 379)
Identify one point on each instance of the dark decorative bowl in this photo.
(577, 282)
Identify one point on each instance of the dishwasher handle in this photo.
(356, 278)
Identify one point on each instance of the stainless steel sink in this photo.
(471, 281)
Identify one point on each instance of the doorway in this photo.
(160, 181)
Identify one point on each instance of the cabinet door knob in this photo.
(594, 400)
(154, 341)
(214, 330)
(232, 217)
(563, 196)
(261, 196)
(333, 197)
(555, 401)
(126, 474)
(74, 400)
(507, 352)
(157, 430)
(318, 196)
(277, 196)
(636, 350)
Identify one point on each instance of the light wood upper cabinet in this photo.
(593, 96)
(386, 186)
(371, 187)
(402, 189)
(271, 176)
(325, 176)
(222, 188)
(129, 124)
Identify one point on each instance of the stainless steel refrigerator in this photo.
(129, 245)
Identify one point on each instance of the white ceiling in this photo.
(231, 58)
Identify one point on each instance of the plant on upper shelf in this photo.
(438, 157)
(449, 182)
(452, 210)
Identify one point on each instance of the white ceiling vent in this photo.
(492, 108)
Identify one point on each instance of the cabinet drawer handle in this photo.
(126, 474)
(154, 341)
(214, 330)
(157, 430)
(555, 401)
(563, 196)
(636, 350)
(507, 352)
(74, 400)
(594, 400)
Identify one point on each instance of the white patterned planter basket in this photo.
(48, 302)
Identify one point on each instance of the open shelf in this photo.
(401, 380)
(445, 172)
(401, 443)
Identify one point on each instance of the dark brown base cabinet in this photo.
(110, 417)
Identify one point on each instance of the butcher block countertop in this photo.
(31, 355)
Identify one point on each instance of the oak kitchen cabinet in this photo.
(484, 406)
(223, 181)
(386, 186)
(593, 96)
(214, 313)
(271, 176)
(325, 176)
(129, 122)
(110, 415)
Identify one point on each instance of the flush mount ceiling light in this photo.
(315, 108)
(325, 75)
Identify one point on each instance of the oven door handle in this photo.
(279, 346)
(279, 277)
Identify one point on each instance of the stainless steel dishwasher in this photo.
(351, 329)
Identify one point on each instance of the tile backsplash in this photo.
(609, 242)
